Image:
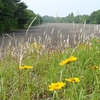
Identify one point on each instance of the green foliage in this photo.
(38, 20)
(68, 19)
(6, 15)
(14, 14)
(1, 5)
(48, 19)
(32, 84)
(94, 17)
(84, 18)
(31, 16)
(77, 19)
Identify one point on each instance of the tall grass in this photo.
(44, 57)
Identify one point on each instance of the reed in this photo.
(31, 70)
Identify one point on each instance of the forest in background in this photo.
(93, 18)
(14, 15)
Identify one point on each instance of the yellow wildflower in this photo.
(36, 45)
(32, 45)
(68, 60)
(25, 67)
(63, 63)
(73, 80)
(95, 67)
(56, 86)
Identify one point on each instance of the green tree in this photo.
(6, 15)
(14, 14)
(77, 19)
(31, 16)
(21, 14)
(94, 18)
(84, 18)
(38, 20)
(70, 18)
(48, 19)
(1, 6)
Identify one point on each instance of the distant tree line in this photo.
(94, 18)
(14, 14)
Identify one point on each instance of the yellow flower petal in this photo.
(56, 86)
(63, 63)
(71, 59)
(25, 67)
(73, 80)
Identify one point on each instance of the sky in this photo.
(62, 8)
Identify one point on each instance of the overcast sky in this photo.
(62, 8)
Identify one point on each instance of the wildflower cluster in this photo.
(36, 45)
(59, 85)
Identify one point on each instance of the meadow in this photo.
(52, 66)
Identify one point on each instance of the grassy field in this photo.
(37, 69)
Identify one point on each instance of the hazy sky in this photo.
(62, 8)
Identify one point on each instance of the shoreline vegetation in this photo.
(36, 70)
(54, 66)
(15, 15)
